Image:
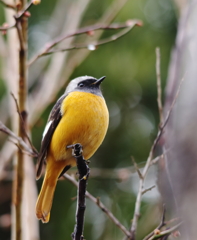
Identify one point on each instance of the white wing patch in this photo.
(46, 129)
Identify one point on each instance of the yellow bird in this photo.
(79, 116)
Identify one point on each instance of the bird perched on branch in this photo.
(79, 116)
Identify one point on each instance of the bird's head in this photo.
(85, 84)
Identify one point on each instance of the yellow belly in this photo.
(84, 120)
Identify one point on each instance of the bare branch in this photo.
(147, 166)
(165, 232)
(162, 223)
(160, 132)
(17, 17)
(157, 233)
(148, 189)
(101, 206)
(129, 25)
(8, 5)
(159, 91)
(155, 160)
(92, 28)
(23, 124)
(94, 45)
(137, 168)
(117, 173)
(84, 172)
(173, 103)
(22, 12)
(7, 131)
(6, 27)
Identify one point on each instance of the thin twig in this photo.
(7, 27)
(92, 28)
(159, 91)
(25, 9)
(172, 220)
(7, 5)
(155, 160)
(101, 206)
(28, 149)
(173, 103)
(17, 16)
(129, 24)
(147, 165)
(165, 232)
(23, 125)
(94, 45)
(162, 223)
(148, 189)
(137, 168)
(156, 233)
(118, 173)
(20, 148)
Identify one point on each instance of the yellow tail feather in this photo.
(45, 198)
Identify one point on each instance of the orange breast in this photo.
(84, 120)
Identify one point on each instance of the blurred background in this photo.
(130, 93)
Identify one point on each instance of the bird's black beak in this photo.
(99, 81)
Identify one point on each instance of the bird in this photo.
(80, 115)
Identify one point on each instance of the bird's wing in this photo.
(53, 120)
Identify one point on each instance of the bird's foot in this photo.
(77, 149)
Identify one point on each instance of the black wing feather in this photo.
(55, 116)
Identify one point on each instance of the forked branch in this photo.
(31, 151)
(136, 215)
(90, 29)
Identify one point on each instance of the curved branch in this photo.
(128, 25)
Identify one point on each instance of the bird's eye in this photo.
(81, 84)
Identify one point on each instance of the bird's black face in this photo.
(90, 83)
(86, 84)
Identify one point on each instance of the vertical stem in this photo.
(22, 95)
(81, 200)
(159, 91)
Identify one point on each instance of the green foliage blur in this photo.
(130, 93)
